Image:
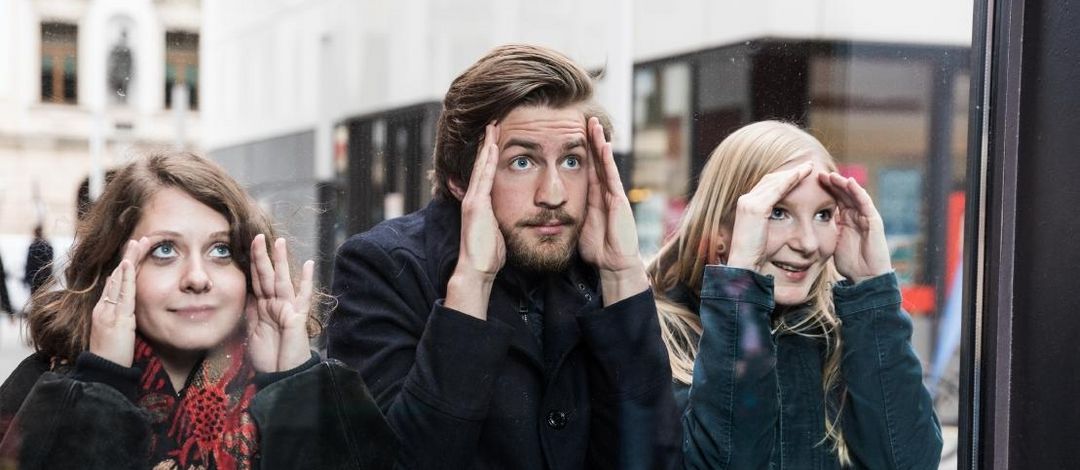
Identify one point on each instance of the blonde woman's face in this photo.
(801, 236)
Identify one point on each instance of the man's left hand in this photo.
(609, 239)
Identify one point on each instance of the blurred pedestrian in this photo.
(5, 299)
(38, 261)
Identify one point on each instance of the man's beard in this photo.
(546, 253)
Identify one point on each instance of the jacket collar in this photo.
(566, 295)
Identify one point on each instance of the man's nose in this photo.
(551, 192)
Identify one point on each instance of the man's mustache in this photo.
(545, 216)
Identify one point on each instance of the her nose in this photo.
(551, 192)
(803, 238)
(195, 278)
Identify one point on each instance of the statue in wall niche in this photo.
(120, 69)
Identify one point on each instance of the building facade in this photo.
(85, 85)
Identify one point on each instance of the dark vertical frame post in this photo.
(1020, 343)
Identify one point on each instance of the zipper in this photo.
(523, 310)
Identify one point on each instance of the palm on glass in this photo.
(749, 235)
(608, 239)
(277, 314)
(112, 328)
(861, 249)
(482, 246)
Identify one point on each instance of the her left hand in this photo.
(276, 316)
(861, 250)
(608, 238)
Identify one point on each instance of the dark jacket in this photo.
(469, 393)
(757, 400)
(318, 415)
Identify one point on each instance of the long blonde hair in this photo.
(733, 168)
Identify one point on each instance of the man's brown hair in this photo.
(504, 79)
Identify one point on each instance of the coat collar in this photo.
(565, 295)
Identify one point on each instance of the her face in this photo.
(800, 237)
(189, 292)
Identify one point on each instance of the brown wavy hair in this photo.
(504, 79)
(733, 168)
(59, 318)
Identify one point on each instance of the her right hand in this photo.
(749, 235)
(112, 328)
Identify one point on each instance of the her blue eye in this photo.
(221, 251)
(163, 250)
(571, 162)
(777, 214)
(824, 215)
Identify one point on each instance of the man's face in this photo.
(540, 186)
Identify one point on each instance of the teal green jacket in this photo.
(756, 400)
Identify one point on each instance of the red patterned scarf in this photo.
(206, 425)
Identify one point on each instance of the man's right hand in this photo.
(482, 252)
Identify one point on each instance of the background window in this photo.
(182, 66)
(58, 63)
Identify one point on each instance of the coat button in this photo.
(557, 420)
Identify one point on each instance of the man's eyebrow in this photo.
(528, 144)
(579, 142)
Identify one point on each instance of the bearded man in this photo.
(510, 324)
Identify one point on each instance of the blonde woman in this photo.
(781, 314)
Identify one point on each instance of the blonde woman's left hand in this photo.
(861, 249)
(277, 315)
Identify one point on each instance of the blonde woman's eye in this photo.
(221, 251)
(163, 250)
(825, 215)
(520, 163)
(572, 162)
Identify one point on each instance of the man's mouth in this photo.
(548, 220)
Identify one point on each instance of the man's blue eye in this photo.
(520, 163)
(571, 162)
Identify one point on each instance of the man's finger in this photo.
(482, 157)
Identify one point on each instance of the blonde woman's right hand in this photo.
(752, 212)
(112, 328)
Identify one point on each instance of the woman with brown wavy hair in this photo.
(782, 317)
(179, 340)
